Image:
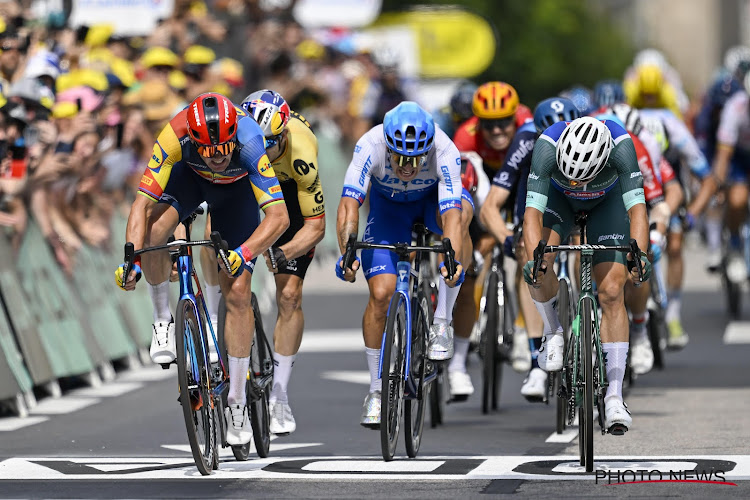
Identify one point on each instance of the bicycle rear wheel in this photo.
(490, 344)
(586, 416)
(414, 408)
(195, 395)
(259, 384)
(437, 398)
(657, 334)
(392, 361)
(564, 313)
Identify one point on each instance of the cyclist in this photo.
(414, 172)
(582, 97)
(648, 89)
(588, 165)
(607, 93)
(292, 149)
(208, 152)
(450, 117)
(683, 151)
(730, 164)
(497, 116)
(510, 182)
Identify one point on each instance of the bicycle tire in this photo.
(563, 311)
(489, 343)
(586, 427)
(195, 396)
(657, 335)
(733, 293)
(392, 361)
(414, 409)
(261, 366)
(437, 400)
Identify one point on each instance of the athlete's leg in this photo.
(211, 289)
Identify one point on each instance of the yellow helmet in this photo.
(650, 79)
(495, 100)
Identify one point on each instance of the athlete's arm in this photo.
(543, 163)
(711, 183)
(490, 214)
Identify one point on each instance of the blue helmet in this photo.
(581, 97)
(553, 110)
(409, 130)
(461, 102)
(608, 93)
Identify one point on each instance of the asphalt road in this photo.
(126, 439)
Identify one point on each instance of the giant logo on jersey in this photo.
(158, 157)
(265, 168)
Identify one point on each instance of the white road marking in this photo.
(353, 376)
(151, 374)
(15, 423)
(553, 468)
(107, 390)
(349, 340)
(567, 436)
(62, 405)
(737, 332)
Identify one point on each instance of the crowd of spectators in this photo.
(80, 107)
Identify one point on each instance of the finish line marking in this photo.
(547, 468)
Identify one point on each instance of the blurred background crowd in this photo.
(82, 97)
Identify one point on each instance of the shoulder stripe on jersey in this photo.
(618, 140)
(549, 139)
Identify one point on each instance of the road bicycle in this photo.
(657, 309)
(584, 376)
(406, 372)
(566, 303)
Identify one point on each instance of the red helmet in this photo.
(212, 124)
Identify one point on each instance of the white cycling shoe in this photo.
(440, 345)
(239, 430)
(282, 420)
(371, 411)
(460, 385)
(617, 416)
(551, 353)
(162, 342)
(534, 387)
(641, 355)
(520, 355)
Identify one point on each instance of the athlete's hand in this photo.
(279, 257)
(236, 262)
(645, 264)
(134, 276)
(528, 269)
(454, 280)
(350, 274)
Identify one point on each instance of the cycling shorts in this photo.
(297, 267)
(234, 210)
(607, 224)
(739, 167)
(391, 222)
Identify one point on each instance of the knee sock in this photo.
(373, 363)
(282, 372)
(160, 300)
(212, 294)
(445, 301)
(237, 378)
(548, 311)
(615, 356)
(460, 350)
(674, 298)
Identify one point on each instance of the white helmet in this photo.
(629, 116)
(583, 149)
(734, 56)
(650, 56)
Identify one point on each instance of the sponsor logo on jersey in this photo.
(274, 189)
(532, 175)
(447, 177)
(158, 157)
(357, 148)
(524, 147)
(265, 168)
(351, 193)
(448, 204)
(611, 237)
(554, 214)
(635, 174)
(365, 169)
(584, 195)
(374, 269)
(146, 180)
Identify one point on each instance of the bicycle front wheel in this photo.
(564, 313)
(392, 361)
(195, 394)
(490, 344)
(586, 415)
(259, 384)
(414, 408)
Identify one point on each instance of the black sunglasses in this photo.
(489, 125)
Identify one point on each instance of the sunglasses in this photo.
(490, 125)
(415, 161)
(210, 151)
(272, 141)
(9, 46)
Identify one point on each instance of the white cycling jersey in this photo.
(371, 165)
(682, 140)
(734, 126)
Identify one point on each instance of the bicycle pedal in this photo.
(374, 427)
(458, 398)
(536, 399)
(165, 366)
(617, 429)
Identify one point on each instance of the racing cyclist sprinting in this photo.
(413, 172)
(587, 165)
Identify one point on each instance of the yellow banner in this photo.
(452, 43)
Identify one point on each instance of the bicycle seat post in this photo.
(581, 219)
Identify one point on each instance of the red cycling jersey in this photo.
(469, 138)
(652, 189)
(667, 172)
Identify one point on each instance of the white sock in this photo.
(237, 377)
(212, 294)
(640, 322)
(460, 350)
(674, 305)
(548, 311)
(282, 372)
(446, 299)
(615, 356)
(373, 363)
(713, 233)
(160, 300)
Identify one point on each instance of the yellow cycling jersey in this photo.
(666, 98)
(298, 164)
